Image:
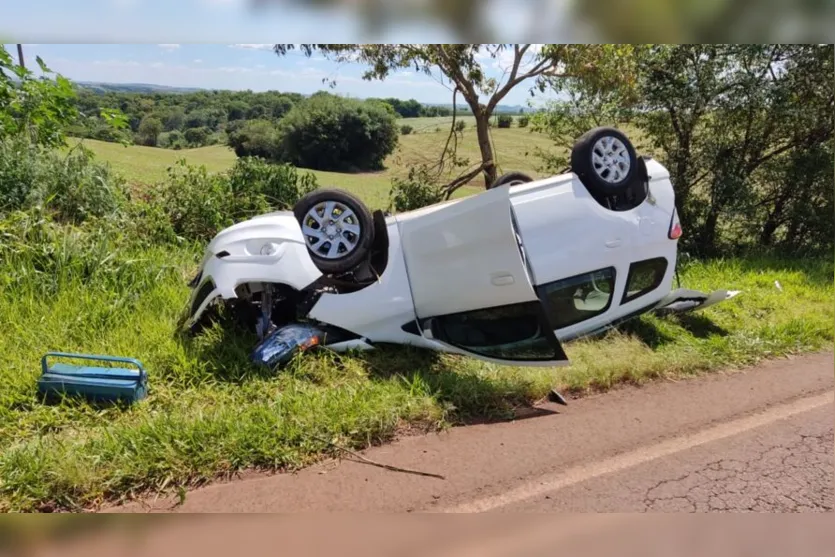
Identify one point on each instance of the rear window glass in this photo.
(575, 299)
(644, 277)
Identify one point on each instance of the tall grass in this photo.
(95, 289)
(114, 282)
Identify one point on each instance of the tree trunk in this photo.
(483, 131)
(707, 238)
(767, 234)
(772, 222)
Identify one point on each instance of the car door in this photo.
(470, 285)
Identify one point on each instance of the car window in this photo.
(512, 332)
(575, 299)
(644, 277)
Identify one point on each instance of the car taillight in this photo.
(675, 227)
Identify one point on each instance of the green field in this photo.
(515, 148)
(210, 414)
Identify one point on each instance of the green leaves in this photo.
(40, 108)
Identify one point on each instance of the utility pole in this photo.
(20, 56)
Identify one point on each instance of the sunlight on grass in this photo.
(210, 413)
(147, 165)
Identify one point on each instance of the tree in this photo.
(175, 119)
(743, 130)
(197, 137)
(464, 69)
(42, 108)
(720, 112)
(149, 130)
(256, 138)
(236, 110)
(327, 132)
(504, 120)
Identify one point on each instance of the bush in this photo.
(416, 191)
(198, 137)
(406, 130)
(149, 130)
(504, 120)
(73, 186)
(172, 140)
(256, 138)
(327, 132)
(523, 121)
(193, 204)
(460, 125)
(257, 185)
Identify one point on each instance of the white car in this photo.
(506, 275)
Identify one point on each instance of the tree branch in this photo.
(453, 70)
(541, 67)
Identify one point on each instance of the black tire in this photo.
(356, 255)
(511, 178)
(600, 180)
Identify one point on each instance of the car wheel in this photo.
(511, 179)
(605, 161)
(337, 227)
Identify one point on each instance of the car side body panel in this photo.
(566, 232)
(379, 311)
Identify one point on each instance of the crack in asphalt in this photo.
(793, 477)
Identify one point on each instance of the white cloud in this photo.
(198, 61)
(169, 47)
(253, 46)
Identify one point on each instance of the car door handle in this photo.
(502, 279)
(613, 243)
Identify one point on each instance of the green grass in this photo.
(210, 414)
(515, 148)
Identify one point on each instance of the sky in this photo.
(164, 42)
(240, 66)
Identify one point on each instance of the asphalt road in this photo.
(753, 440)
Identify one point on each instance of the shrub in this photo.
(460, 125)
(406, 130)
(73, 186)
(523, 121)
(504, 120)
(172, 140)
(327, 132)
(149, 130)
(416, 191)
(256, 138)
(257, 185)
(197, 137)
(193, 204)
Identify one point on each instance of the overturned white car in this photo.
(505, 275)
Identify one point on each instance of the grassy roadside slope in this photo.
(210, 414)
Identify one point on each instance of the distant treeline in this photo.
(179, 120)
